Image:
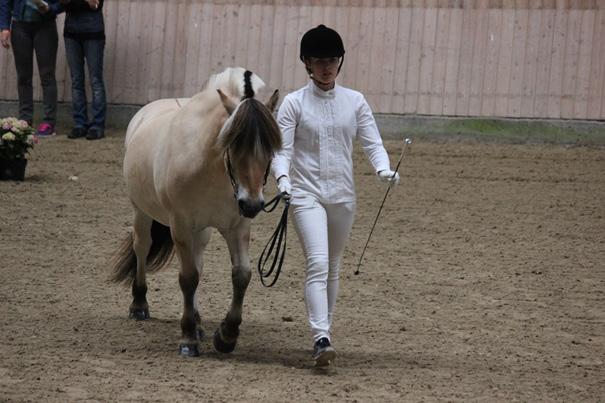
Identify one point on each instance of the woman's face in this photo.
(323, 69)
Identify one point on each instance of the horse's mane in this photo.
(251, 130)
(232, 82)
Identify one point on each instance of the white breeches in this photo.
(323, 230)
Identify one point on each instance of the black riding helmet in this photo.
(321, 42)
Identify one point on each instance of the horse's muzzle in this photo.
(250, 209)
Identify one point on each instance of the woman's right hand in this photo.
(284, 186)
(5, 38)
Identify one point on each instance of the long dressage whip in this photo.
(405, 144)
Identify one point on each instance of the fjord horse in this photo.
(191, 165)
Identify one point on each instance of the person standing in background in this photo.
(30, 27)
(84, 35)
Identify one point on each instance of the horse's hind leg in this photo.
(238, 240)
(139, 309)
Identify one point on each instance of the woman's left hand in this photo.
(386, 175)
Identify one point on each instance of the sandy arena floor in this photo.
(484, 281)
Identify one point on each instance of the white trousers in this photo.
(323, 230)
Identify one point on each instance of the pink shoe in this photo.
(45, 129)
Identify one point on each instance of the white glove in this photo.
(386, 175)
(284, 186)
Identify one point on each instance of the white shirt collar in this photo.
(321, 93)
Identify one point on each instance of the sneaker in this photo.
(323, 353)
(95, 133)
(45, 129)
(77, 132)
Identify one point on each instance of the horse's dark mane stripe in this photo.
(253, 132)
(248, 90)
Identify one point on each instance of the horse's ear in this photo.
(272, 103)
(227, 103)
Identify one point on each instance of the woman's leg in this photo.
(22, 41)
(340, 221)
(75, 58)
(93, 50)
(46, 43)
(310, 222)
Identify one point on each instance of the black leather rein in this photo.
(276, 244)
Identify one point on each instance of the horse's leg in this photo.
(139, 309)
(188, 251)
(204, 238)
(238, 240)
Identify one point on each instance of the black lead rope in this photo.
(274, 245)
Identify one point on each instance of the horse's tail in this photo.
(125, 263)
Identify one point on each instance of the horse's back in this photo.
(148, 114)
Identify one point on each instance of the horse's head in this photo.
(249, 139)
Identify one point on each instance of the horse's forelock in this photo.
(251, 131)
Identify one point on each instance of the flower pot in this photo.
(12, 170)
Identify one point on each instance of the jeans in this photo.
(41, 38)
(90, 52)
(323, 231)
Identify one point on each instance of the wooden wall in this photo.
(505, 58)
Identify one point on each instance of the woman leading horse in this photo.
(192, 165)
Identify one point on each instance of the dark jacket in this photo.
(82, 22)
(17, 9)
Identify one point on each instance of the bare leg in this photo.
(238, 240)
(139, 309)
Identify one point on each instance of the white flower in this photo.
(8, 136)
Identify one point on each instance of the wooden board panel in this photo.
(580, 109)
(402, 59)
(518, 61)
(530, 65)
(555, 86)
(490, 77)
(597, 70)
(480, 38)
(414, 60)
(505, 58)
(465, 61)
(427, 59)
(545, 51)
(454, 44)
(570, 67)
(440, 61)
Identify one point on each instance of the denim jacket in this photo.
(81, 19)
(17, 9)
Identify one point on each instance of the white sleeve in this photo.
(287, 120)
(369, 136)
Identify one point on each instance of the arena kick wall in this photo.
(497, 58)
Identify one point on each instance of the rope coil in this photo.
(274, 245)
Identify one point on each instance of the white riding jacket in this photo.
(318, 128)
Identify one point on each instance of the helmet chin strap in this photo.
(318, 81)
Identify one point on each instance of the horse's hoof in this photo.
(139, 314)
(221, 346)
(189, 350)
